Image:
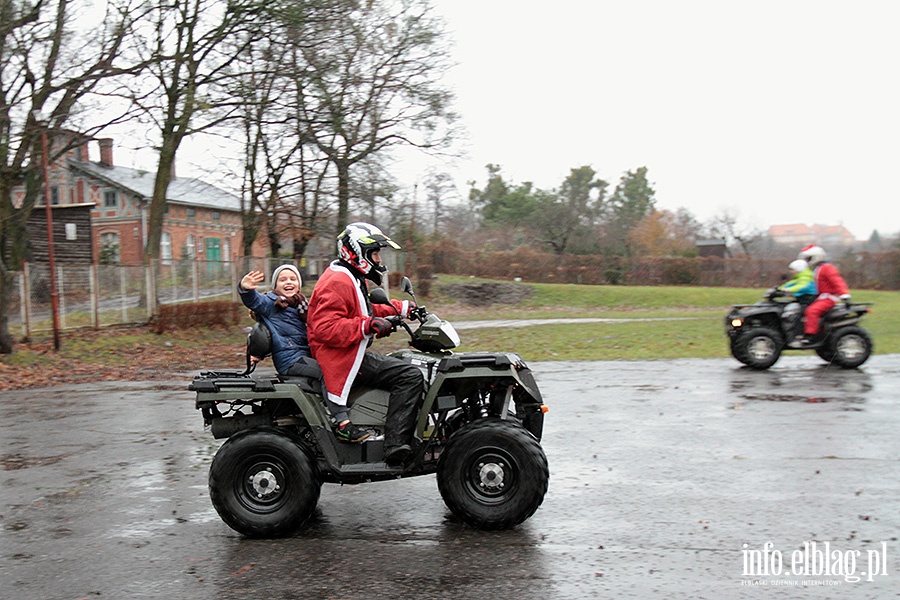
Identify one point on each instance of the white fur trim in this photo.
(363, 344)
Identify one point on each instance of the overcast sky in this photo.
(779, 111)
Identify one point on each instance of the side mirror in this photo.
(379, 296)
(406, 286)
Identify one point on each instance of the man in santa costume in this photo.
(342, 323)
(831, 287)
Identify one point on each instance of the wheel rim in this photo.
(851, 347)
(492, 476)
(261, 486)
(761, 348)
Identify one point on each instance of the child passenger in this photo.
(283, 311)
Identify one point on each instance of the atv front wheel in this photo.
(263, 483)
(851, 346)
(758, 348)
(493, 474)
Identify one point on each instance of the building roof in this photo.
(788, 230)
(814, 232)
(182, 190)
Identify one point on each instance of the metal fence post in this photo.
(150, 275)
(234, 281)
(95, 296)
(122, 294)
(61, 291)
(25, 303)
(195, 284)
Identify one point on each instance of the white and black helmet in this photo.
(798, 265)
(355, 246)
(812, 254)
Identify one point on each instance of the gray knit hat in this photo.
(281, 268)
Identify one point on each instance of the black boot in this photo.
(402, 415)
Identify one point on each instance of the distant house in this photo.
(72, 240)
(798, 234)
(715, 247)
(201, 220)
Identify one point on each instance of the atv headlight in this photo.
(737, 322)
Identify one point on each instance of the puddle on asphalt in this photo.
(800, 398)
(14, 462)
(844, 403)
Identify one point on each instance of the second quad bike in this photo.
(480, 428)
(759, 333)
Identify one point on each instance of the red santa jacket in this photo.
(829, 282)
(336, 323)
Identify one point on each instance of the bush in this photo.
(198, 314)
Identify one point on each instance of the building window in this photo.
(110, 199)
(190, 247)
(109, 248)
(216, 215)
(54, 194)
(190, 212)
(165, 248)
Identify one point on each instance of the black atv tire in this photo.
(825, 351)
(493, 474)
(851, 347)
(758, 348)
(263, 483)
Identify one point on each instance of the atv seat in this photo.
(308, 376)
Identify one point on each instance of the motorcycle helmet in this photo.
(355, 246)
(812, 254)
(798, 265)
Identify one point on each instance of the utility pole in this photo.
(54, 294)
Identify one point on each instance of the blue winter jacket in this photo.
(289, 341)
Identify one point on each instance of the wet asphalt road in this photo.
(661, 472)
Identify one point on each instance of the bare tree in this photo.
(49, 68)
(191, 45)
(727, 225)
(373, 82)
(439, 190)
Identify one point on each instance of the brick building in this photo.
(201, 221)
(799, 234)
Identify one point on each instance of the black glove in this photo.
(379, 326)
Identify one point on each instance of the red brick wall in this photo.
(179, 226)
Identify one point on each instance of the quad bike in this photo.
(480, 427)
(759, 333)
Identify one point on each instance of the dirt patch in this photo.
(487, 293)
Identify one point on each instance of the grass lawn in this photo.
(662, 322)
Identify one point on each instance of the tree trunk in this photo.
(158, 202)
(343, 172)
(13, 243)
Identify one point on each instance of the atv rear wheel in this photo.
(263, 483)
(758, 348)
(493, 474)
(851, 346)
(825, 352)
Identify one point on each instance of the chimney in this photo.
(106, 152)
